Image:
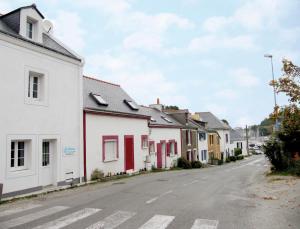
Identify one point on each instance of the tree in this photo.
(171, 107)
(289, 83)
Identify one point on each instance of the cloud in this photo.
(252, 15)
(244, 78)
(68, 28)
(138, 76)
(226, 94)
(243, 121)
(218, 109)
(209, 42)
(143, 40)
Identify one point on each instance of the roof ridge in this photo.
(101, 81)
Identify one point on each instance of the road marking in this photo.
(158, 222)
(155, 198)
(31, 217)
(193, 182)
(69, 219)
(205, 224)
(18, 209)
(113, 220)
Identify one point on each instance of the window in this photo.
(204, 155)
(17, 154)
(211, 139)
(99, 99)
(227, 138)
(166, 119)
(131, 104)
(29, 29)
(188, 136)
(110, 148)
(46, 154)
(33, 86)
(202, 136)
(153, 119)
(151, 146)
(144, 140)
(172, 147)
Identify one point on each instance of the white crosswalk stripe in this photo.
(31, 217)
(18, 209)
(69, 219)
(205, 224)
(158, 222)
(113, 220)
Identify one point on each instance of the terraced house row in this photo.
(58, 126)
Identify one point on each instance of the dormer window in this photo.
(166, 119)
(29, 29)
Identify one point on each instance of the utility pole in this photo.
(247, 142)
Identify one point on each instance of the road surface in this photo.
(215, 197)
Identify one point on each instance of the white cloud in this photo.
(244, 78)
(252, 15)
(226, 94)
(143, 40)
(112, 6)
(68, 28)
(209, 42)
(138, 76)
(243, 121)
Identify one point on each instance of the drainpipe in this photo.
(84, 145)
(1, 188)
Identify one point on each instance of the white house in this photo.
(115, 130)
(223, 130)
(41, 100)
(237, 141)
(164, 137)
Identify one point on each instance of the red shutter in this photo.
(168, 149)
(176, 150)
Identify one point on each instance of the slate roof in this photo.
(11, 27)
(212, 121)
(113, 94)
(157, 116)
(235, 136)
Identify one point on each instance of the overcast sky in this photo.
(204, 55)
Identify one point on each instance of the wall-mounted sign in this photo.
(69, 150)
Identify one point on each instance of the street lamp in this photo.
(274, 90)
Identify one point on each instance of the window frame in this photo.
(30, 22)
(16, 157)
(144, 139)
(46, 156)
(110, 138)
(172, 142)
(151, 143)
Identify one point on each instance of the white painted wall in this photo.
(224, 146)
(233, 145)
(203, 145)
(58, 118)
(165, 134)
(100, 125)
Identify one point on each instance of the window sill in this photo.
(113, 160)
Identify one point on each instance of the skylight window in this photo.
(131, 104)
(153, 119)
(99, 99)
(166, 119)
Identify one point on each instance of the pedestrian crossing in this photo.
(36, 214)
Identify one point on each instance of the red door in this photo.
(129, 152)
(159, 156)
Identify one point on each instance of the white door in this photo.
(46, 171)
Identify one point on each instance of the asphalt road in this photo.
(215, 197)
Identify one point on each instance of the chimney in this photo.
(157, 106)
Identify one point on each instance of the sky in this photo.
(201, 55)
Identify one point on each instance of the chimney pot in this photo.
(157, 101)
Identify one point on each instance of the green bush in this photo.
(227, 160)
(232, 158)
(183, 163)
(237, 152)
(240, 157)
(196, 164)
(97, 174)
